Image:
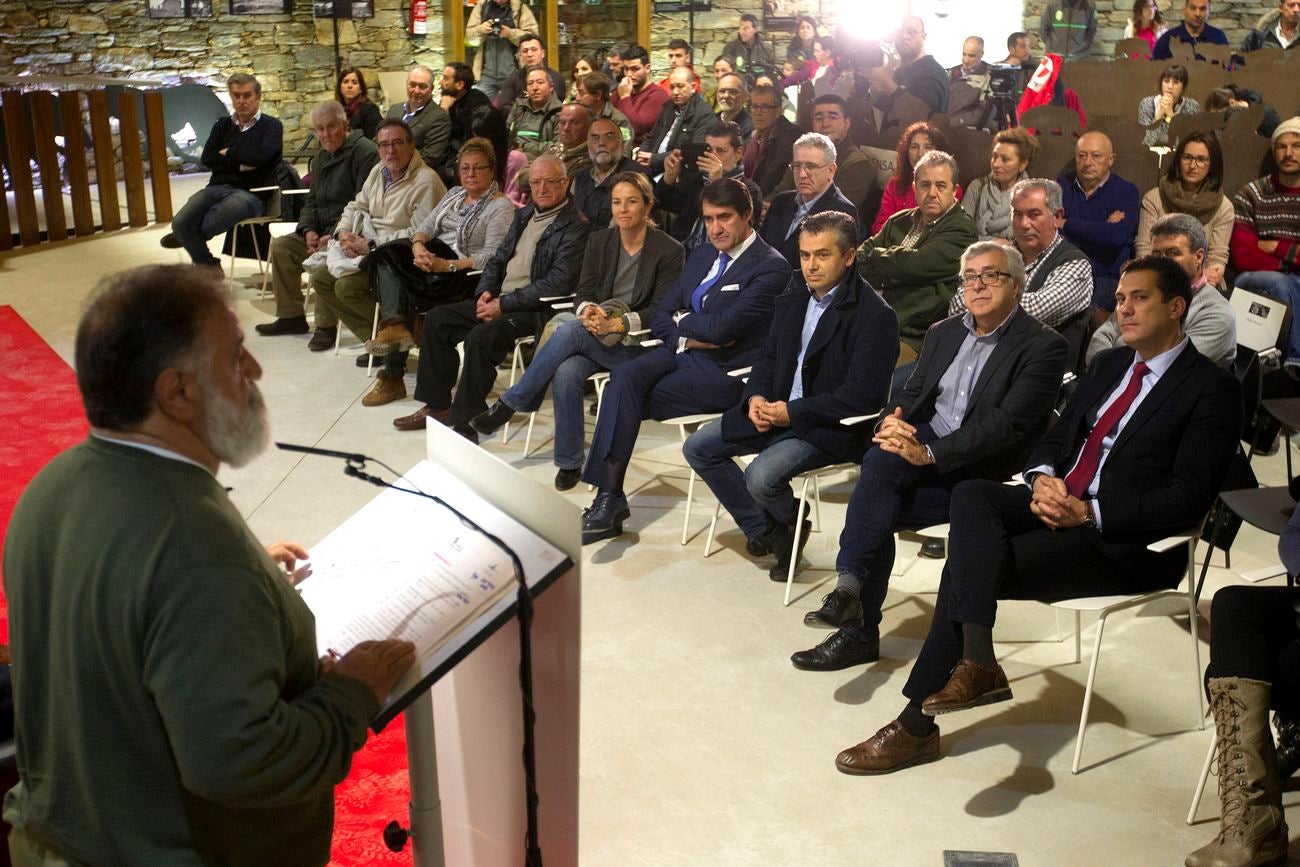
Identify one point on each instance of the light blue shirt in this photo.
(1156, 368)
(804, 208)
(958, 381)
(812, 314)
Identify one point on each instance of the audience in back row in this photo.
(353, 94)
(917, 140)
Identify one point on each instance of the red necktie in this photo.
(1078, 479)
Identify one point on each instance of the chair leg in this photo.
(713, 526)
(234, 244)
(1087, 694)
(338, 337)
(374, 332)
(261, 266)
(690, 491)
(1205, 776)
(516, 362)
(794, 549)
(1078, 637)
(528, 437)
(1196, 641)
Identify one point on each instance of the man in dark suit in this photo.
(712, 321)
(1139, 453)
(678, 190)
(430, 125)
(767, 155)
(829, 355)
(815, 191)
(684, 118)
(980, 397)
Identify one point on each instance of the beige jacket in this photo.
(385, 215)
(525, 22)
(1218, 231)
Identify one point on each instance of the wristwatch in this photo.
(1088, 519)
(451, 266)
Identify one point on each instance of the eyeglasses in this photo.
(390, 144)
(467, 169)
(1195, 160)
(827, 115)
(762, 106)
(986, 278)
(796, 168)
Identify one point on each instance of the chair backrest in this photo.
(1075, 330)
(1133, 48)
(1218, 55)
(393, 84)
(1052, 120)
(1184, 125)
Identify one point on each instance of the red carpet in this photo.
(40, 416)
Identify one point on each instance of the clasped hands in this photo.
(898, 437)
(426, 261)
(766, 414)
(352, 243)
(597, 322)
(487, 308)
(1054, 506)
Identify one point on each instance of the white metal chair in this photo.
(271, 214)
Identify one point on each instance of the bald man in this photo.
(968, 85)
(918, 73)
(686, 117)
(1101, 216)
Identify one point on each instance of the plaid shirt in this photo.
(1066, 291)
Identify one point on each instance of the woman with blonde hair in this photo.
(988, 200)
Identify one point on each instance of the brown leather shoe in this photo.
(386, 390)
(888, 750)
(391, 338)
(415, 421)
(971, 685)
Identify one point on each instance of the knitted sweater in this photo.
(1266, 210)
(1087, 222)
(261, 146)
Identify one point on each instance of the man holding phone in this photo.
(686, 174)
(684, 118)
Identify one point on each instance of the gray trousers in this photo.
(287, 255)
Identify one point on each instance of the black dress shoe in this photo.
(363, 360)
(758, 546)
(323, 339)
(567, 479)
(170, 241)
(782, 541)
(492, 419)
(836, 652)
(604, 519)
(1288, 743)
(838, 608)
(932, 549)
(467, 432)
(291, 325)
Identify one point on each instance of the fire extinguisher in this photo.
(419, 17)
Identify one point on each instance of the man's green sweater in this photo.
(169, 703)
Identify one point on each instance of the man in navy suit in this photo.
(1139, 453)
(829, 355)
(813, 169)
(712, 321)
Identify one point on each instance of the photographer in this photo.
(678, 191)
(498, 26)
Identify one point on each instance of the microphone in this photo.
(329, 453)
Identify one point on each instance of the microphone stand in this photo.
(394, 836)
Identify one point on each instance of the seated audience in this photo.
(628, 267)
(1254, 651)
(968, 87)
(731, 98)
(1058, 277)
(572, 125)
(767, 156)
(338, 171)
(748, 52)
(581, 67)
(1279, 28)
(1101, 215)
(712, 321)
(428, 122)
(684, 118)
(243, 151)
(988, 200)
(1266, 234)
(592, 185)
(917, 73)
(677, 192)
(1155, 112)
(1068, 28)
(541, 257)
(395, 198)
(813, 371)
(1194, 30)
(722, 66)
(1080, 524)
(917, 140)
(912, 261)
(1146, 22)
(1192, 185)
(459, 235)
(533, 115)
(943, 429)
(638, 97)
(353, 95)
(497, 28)
(1210, 323)
(855, 175)
(613, 67)
(800, 48)
(593, 92)
(813, 167)
(787, 107)
(819, 70)
(463, 103)
(681, 56)
(531, 54)
(1231, 98)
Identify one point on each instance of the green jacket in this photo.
(918, 282)
(533, 128)
(335, 179)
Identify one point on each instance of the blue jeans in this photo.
(1285, 287)
(761, 496)
(564, 363)
(210, 212)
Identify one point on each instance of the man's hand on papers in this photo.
(287, 554)
(377, 664)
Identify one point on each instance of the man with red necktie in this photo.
(1139, 453)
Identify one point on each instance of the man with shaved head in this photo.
(918, 73)
(1101, 215)
(684, 118)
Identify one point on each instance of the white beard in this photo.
(234, 434)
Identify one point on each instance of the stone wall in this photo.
(714, 29)
(292, 55)
(1236, 18)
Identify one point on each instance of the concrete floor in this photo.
(700, 743)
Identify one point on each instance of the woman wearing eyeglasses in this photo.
(1192, 185)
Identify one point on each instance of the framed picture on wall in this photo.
(347, 8)
(261, 7)
(779, 14)
(179, 8)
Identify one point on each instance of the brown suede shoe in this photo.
(385, 391)
(391, 338)
(415, 421)
(971, 685)
(888, 750)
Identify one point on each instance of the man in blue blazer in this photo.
(712, 321)
(829, 355)
(813, 168)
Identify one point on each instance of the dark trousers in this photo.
(997, 549)
(1254, 633)
(660, 384)
(486, 344)
(403, 288)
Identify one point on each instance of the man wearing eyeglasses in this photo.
(730, 98)
(980, 397)
(917, 73)
(767, 155)
(813, 168)
(855, 176)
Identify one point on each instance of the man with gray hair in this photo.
(430, 125)
(912, 261)
(337, 171)
(813, 169)
(980, 398)
(1210, 323)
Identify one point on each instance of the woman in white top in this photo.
(1147, 23)
(1155, 112)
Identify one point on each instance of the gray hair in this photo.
(1012, 262)
(817, 140)
(1051, 191)
(930, 159)
(1186, 225)
(330, 109)
(420, 68)
(548, 159)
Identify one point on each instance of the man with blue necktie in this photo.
(712, 321)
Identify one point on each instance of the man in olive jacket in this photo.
(912, 261)
(337, 171)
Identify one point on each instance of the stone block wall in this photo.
(1236, 18)
(714, 29)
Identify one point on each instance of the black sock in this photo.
(977, 644)
(915, 723)
(615, 470)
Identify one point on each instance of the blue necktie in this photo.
(697, 297)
